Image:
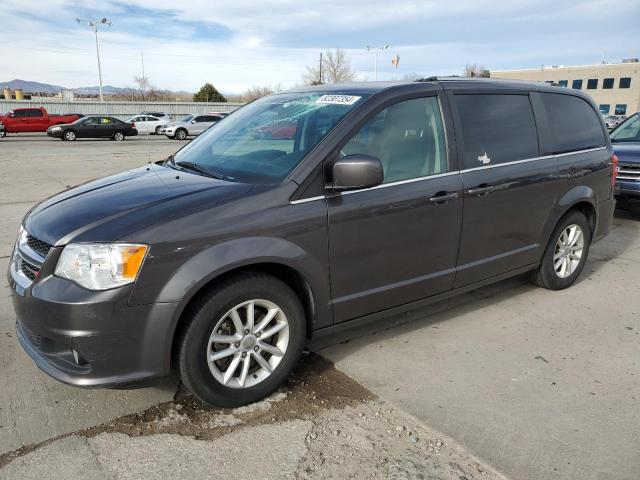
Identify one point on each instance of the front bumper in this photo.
(91, 339)
(55, 133)
(627, 188)
(169, 132)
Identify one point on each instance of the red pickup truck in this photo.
(33, 120)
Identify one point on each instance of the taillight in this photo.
(133, 125)
(614, 163)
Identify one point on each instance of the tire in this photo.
(181, 134)
(118, 136)
(69, 135)
(559, 268)
(204, 377)
(158, 130)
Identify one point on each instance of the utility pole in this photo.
(142, 55)
(320, 71)
(94, 24)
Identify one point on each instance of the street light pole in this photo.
(94, 24)
(375, 50)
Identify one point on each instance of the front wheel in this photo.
(181, 134)
(242, 340)
(566, 253)
(69, 135)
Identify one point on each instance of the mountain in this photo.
(31, 87)
(37, 87)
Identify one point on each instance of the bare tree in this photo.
(145, 90)
(258, 92)
(412, 77)
(334, 68)
(475, 70)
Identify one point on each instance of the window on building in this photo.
(563, 83)
(621, 109)
(607, 83)
(592, 84)
(625, 82)
(496, 129)
(408, 138)
(576, 84)
(604, 108)
(573, 123)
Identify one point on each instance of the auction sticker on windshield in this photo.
(338, 99)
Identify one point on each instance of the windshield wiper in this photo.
(200, 169)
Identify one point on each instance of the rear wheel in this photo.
(69, 135)
(566, 253)
(242, 340)
(118, 136)
(158, 130)
(181, 134)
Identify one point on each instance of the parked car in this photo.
(612, 121)
(148, 123)
(95, 126)
(34, 120)
(626, 145)
(226, 259)
(162, 115)
(191, 125)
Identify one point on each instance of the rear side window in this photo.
(34, 112)
(574, 125)
(496, 129)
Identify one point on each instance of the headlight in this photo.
(53, 129)
(101, 266)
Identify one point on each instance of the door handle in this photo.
(441, 198)
(481, 190)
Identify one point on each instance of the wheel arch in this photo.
(280, 270)
(582, 199)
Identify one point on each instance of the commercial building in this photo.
(615, 87)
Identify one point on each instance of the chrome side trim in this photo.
(580, 151)
(403, 182)
(305, 200)
(506, 164)
(456, 172)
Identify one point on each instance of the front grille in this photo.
(629, 171)
(38, 246)
(28, 269)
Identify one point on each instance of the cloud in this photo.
(242, 43)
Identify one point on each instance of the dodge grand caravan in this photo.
(223, 260)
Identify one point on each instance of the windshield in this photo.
(188, 118)
(265, 140)
(629, 131)
(80, 120)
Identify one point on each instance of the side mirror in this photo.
(356, 171)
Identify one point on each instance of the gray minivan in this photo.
(225, 259)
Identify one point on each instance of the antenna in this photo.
(604, 56)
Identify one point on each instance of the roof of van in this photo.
(373, 87)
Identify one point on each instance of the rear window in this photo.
(574, 125)
(496, 129)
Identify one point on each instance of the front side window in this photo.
(265, 140)
(592, 84)
(625, 82)
(607, 83)
(91, 121)
(576, 84)
(496, 129)
(574, 125)
(629, 131)
(20, 113)
(408, 138)
(621, 109)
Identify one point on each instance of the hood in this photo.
(61, 125)
(627, 152)
(111, 207)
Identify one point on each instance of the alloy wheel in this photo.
(247, 343)
(568, 251)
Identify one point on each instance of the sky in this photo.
(238, 44)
